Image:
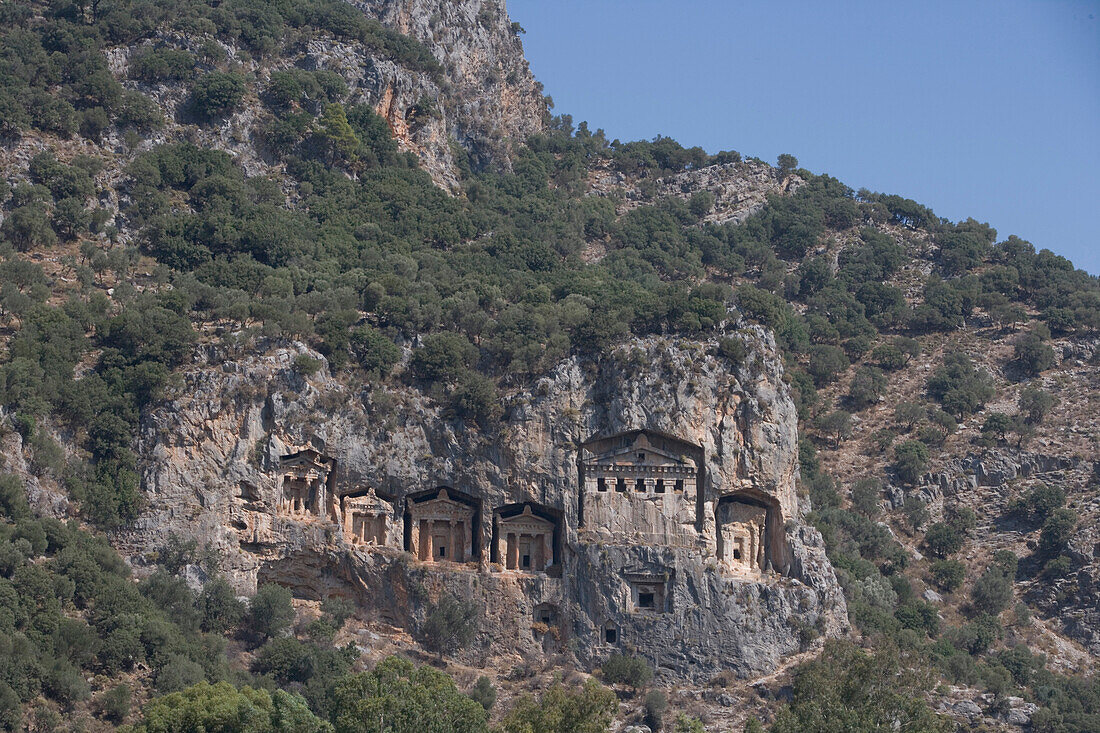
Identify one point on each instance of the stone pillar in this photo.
(512, 560)
(547, 550)
(425, 542)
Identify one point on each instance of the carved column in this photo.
(513, 552)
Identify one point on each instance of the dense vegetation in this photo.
(354, 251)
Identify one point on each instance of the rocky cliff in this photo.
(212, 465)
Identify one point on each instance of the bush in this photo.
(306, 365)
(588, 709)
(1057, 531)
(838, 424)
(626, 670)
(959, 386)
(942, 540)
(1038, 503)
(443, 357)
(450, 625)
(826, 363)
(270, 612)
(114, 704)
(910, 460)
(992, 591)
(865, 497)
(1034, 403)
(217, 94)
(484, 693)
(1031, 355)
(948, 575)
(656, 703)
(867, 386)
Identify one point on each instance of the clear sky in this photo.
(977, 108)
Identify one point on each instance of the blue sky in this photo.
(974, 108)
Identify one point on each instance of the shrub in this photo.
(959, 386)
(992, 591)
(306, 365)
(910, 460)
(942, 540)
(626, 670)
(909, 414)
(948, 575)
(1034, 403)
(656, 702)
(838, 424)
(1057, 531)
(733, 350)
(484, 693)
(1031, 355)
(450, 625)
(1038, 503)
(590, 708)
(867, 386)
(114, 704)
(217, 94)
(443, 357)
(865, 497)
(270, 612)
(826, 363)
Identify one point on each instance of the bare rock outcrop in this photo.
(739, 584)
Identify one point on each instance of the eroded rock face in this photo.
(213, 457)
(492, 99)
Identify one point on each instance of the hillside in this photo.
(323, 343)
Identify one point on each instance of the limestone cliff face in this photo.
(212, 470)
(490, 98)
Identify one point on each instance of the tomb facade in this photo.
(442, 527)
(306, 480)
(369, 520)
(641, 485)
(524, 539)
(742, 542)
(648, 592)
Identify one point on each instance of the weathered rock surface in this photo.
(210, 470)
(492, 98)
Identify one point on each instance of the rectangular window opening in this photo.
(660, 489)
(679, 489)
(639, 486)
(646, 600)
(601, 484)
(620, 485)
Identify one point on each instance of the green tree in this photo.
(786, 163)
(450, 625)
(217, 94)
(1031, 355)
(270, 612)
(843, 690)
(221, 707)
(1057, 531)
(997, 424)
(396, 696)
(838, 424)
(1035, 403)
(337, 136)
(910, 460)
(868, 385)
(627, 670)
(942, 539)
(589, 709)
(826, 363)
(992, 591)
(948, 575)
